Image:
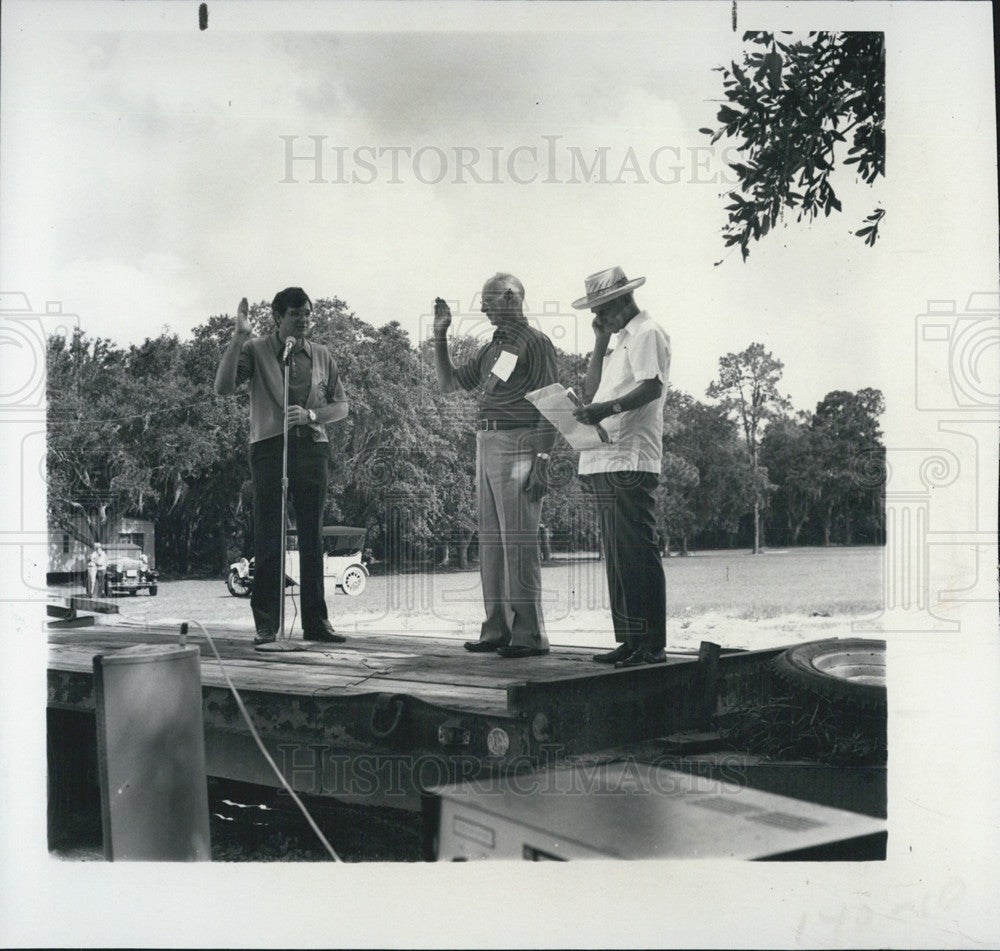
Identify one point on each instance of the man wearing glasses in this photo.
(512, 451)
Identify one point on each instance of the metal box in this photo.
(629, 810)
(151, 754)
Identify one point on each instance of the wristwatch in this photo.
(312, 416)
(617, 407)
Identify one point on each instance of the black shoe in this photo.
(324, 633)
(518, 650)
(643, 656)
(264, 636)
(482, 647)
(621, 652)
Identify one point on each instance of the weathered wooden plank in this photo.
(435, 660)
(315, 682)
(92, 604)
(84, 620)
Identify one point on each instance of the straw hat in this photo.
(606, 285)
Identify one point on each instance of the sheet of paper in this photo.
(556, 404)
(505, 365)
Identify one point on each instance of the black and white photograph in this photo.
(445, 437)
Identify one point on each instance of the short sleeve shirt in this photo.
(642, 352)
(314, 381)
(502, 400)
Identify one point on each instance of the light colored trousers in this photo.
(509, 560)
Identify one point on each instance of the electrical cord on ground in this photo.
(253, 732)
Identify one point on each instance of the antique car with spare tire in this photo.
(128, 572)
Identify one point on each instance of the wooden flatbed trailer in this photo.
(382, 716)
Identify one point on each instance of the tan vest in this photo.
(267, 387)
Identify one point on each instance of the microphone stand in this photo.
(284, 503)
(281, 642)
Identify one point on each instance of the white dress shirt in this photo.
(642, 353)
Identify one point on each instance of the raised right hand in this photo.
(442, 316)
(243, 327)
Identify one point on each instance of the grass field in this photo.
(786, 581)
(734, 598)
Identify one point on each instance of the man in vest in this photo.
(315, 399)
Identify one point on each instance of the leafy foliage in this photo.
(801, 108)
(139, 431)
(747, 390)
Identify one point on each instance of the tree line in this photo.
(139, 432)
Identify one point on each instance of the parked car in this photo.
(345, 561)
(128, 571)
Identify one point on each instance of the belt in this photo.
(494, 424)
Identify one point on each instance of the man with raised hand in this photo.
(315, 399)
(624, 391)
(512, 450)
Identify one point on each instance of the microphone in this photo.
(289, 345)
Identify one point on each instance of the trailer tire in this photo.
(848, 671)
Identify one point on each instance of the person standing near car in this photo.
(92, 574)
(315, 399)
(624, 390)
(512, 451)
(101, 566)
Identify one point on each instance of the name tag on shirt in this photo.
(505, 364)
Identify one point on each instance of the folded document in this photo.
(556, 404)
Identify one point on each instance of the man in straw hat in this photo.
(624, 391)
(512, 450)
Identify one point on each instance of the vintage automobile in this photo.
(344, 563)
(127, 572)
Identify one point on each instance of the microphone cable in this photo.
(260, 743)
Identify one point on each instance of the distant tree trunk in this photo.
(827, 524)
(444, 558)
(545, 542)
(797, 530)
(756, 528)
(393, 541)
(684, 546)
(221, 548)
(464, 541)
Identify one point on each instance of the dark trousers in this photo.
(636, 584)
(308, 463)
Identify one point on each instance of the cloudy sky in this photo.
(148, 184)
(145, 186)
